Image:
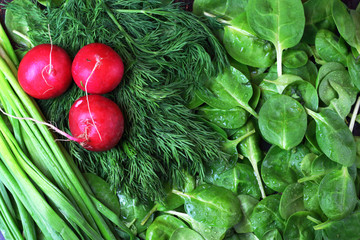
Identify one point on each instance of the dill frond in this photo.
(167, 54)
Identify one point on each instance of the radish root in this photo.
(49, 66)
(69, 137)
(98, 61)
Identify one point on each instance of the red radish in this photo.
(97, 68)
(99, 121)
(45, 71)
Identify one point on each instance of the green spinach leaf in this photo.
(281, 22)
(163, 227)
(103, 192)
(247, 206)
(299, 227)
(334, 137)
(133, 211)
(347, 228)
(337, 194)
(227, 8)
(185, 234)
(311, 198)
(240, 180)
(276, 169)
(347, 23)
(266, 216)
(318, 15)
(212, 205)
(228, 90)
(229, 119)
(292, 200)
(283, 121)
(295, 58)
(353, 65)
(250, 149)
(330, 47)
(242, 43)
(206, 231)
(273, 234)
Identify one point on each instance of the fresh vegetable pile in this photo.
(238, 121)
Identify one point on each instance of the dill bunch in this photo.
(167, 54)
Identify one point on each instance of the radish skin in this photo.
(45, 71)
(108, 120)
(98, 67)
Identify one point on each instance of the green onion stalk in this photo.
(40, 174)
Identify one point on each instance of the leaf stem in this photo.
(354, 114)
(148, 215)
(314, 220)
(279, 59)
(312, 177)
(258, 179)
(179, 193)
(322, 225)
(6, 44)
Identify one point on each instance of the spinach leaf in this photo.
(17, 25)
(354, 70)
(306, 164)
(342, 78)
(297, 155)
(298, 226)
(281, 22)
(229, 119)
(342, 104)
(206, 231)
(330, 47)
(326, 69)
(240, 180)
(103, 192)
(212, 205)
(185, 234)
(242, 43)
(311, 198)
(294, 58)
(250, 149)
(133, 211)
(273, 234)
(276, 169)
(247, 206)
(230, 146)
(347, 228)
(292, 200)
(283, 121)
(283, 81)
(295, 87)
(322, 165)
(308, 72)
(163, 227)
(52, 3)
(337, 194)
(318, 16)
(228, 90)
(334, 137)
(226, 8)
(347, 23)
(243, 236)
(311, 137)
(304, 92)
(170, 202)
(266, 216)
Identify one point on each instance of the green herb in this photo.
(168, 52)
